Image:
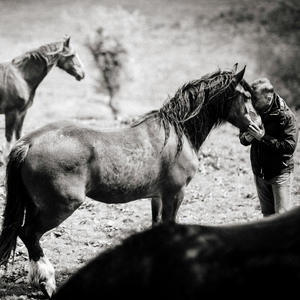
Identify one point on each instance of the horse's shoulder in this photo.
(185, 163)
(187, 155)
(13, 83)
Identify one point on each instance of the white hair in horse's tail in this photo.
(16, 195)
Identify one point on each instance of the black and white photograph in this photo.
(149, 149)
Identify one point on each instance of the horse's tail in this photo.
(15, 201)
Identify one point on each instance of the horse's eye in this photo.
(252, 114)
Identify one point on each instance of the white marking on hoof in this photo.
(41, 274)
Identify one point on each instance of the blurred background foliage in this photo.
(167, 43)
(270, 31)
(274, 29)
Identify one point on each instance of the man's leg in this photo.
(282, 190)
(265, 196)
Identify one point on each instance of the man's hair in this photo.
(262, 85)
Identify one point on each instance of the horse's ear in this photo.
(239, 76)
(67, 41)
(234, 68)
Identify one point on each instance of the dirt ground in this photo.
(169, 44)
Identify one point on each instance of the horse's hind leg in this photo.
(41, 272)
(47, 216)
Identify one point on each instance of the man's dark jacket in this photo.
(273, 155)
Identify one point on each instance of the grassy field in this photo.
(168, 43)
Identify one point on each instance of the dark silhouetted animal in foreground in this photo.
(51, 170)
(249, 261)
(20, 78)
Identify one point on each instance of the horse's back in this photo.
(66, 134)
(57, 142)
(104, 162)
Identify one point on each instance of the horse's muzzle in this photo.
(80, 76)
(255, 118)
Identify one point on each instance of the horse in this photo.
(20, 78)
(176, 261)
(51, 170)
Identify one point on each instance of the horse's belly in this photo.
(119, 195)
(118, 178)
(121, 187)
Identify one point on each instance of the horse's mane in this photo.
(182, 110)
(48, 52)
(249, 89)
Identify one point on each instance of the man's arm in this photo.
(245, 138)
(287, 144)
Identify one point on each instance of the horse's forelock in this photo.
(248, 88)
(221, 85)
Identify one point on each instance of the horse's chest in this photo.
(180, 172)
(15, 95)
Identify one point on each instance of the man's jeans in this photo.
(274, 194)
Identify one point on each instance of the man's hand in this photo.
(248, 137)
(256, 132)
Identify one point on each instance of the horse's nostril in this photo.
(252, 115)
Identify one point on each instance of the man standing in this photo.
(272, 148)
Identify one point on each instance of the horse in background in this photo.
(20, 78)
(51, 170)
(192, 262)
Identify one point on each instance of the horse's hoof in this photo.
(47, 289)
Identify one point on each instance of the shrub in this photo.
(274, 29)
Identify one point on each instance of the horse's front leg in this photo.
(156, 206)
(170, 204)
(19, 125)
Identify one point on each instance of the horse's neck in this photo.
(34, 70)
(199, 128)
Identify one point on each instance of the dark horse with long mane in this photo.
(50, 171)
(191, 262)
(20, 78)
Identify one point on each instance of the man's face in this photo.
(264, 100)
